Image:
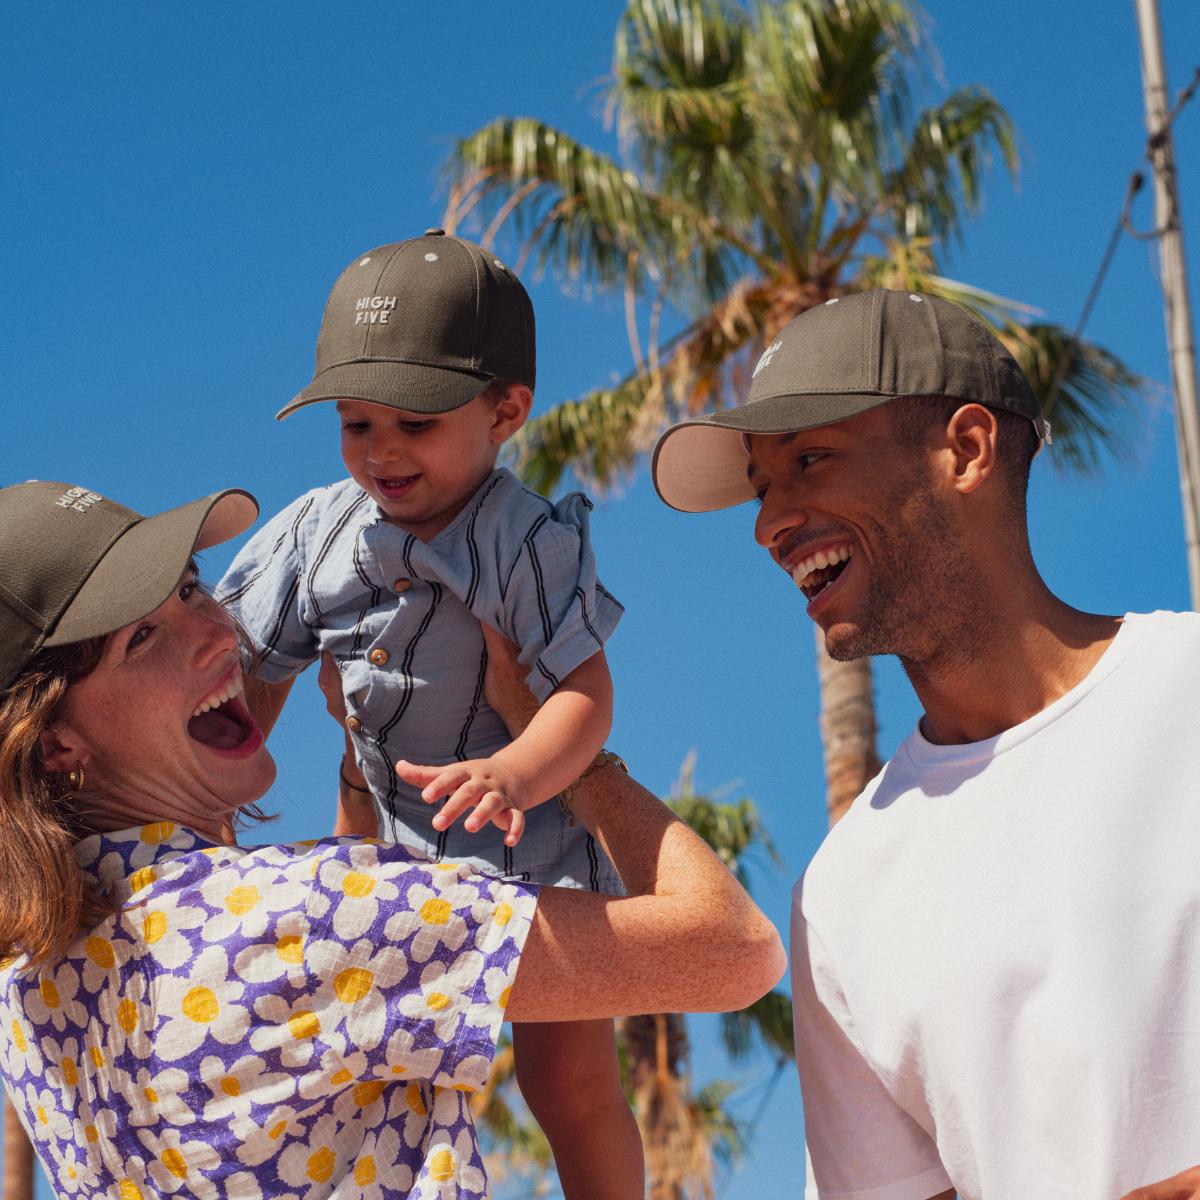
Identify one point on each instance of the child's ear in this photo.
(511, 412)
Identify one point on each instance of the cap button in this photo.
(435, 233)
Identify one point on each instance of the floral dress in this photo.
(289, 1021)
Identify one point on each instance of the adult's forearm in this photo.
(687, 938)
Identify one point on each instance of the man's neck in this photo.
(1012, 662)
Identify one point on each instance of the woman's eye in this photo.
(139, 636)
(189, 589)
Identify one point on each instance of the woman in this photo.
(189, 1017)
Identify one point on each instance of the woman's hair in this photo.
(45, 899)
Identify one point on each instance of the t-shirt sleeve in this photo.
(861, 1144)
(553, 605)
(410, 963)
(263, 587)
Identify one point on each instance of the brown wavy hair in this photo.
(45, 898)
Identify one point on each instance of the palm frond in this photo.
(942, 173)
(1095, 399)
(766, 1023)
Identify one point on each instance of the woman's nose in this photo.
(214, 630)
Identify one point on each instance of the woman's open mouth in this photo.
(222, 722)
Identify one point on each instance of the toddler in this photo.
(427, 351)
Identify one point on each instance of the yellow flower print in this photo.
(406, 1060)
(432, 914)
(62, 1067)
(54, 998)
(279, 954)
(129, 1018)
(200, 1004)
(336, 1072)
(360, 888)
(356, 982)
(154, 1096)
(234, 1086)
(246, 901)
(160, 928)
(100, 957)
(440, 999)
(377, 1161)
(291, 1028)
(70, 1170)
(308, 1164)
(258, 1142)
(175, 1163)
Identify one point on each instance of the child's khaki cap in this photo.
(422, 325)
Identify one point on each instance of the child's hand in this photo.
(485, 785)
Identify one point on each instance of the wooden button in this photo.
(402, 585)
(353, 724)
(378, 656)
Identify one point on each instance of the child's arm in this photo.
(560, 741)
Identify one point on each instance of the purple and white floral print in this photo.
(294, 1021)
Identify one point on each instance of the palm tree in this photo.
(686, 1132)
(773, 156)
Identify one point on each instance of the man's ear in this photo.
(62, 749)
(511, 412)
(971, 438)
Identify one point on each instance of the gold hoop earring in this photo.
(75, 778)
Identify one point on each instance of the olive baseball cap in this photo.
(423, 325)
(835, 361)
(75, 565)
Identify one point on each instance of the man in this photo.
(996, 952)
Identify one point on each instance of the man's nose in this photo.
(776, 516)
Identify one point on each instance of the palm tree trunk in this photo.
(18, 1158)
(847, 727)
(678, 1156)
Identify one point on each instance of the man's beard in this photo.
(918, 584)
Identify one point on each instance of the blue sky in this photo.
(183, 183)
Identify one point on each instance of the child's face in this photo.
(423, 469)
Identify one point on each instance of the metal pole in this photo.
(1173, 269)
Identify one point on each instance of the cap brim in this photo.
(413, 387)
(700, 465)
(145, 563)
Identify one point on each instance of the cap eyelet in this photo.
(913, 296)
(431, 258)
(364, 262)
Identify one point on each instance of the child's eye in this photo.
(416, 426)
(354, 426)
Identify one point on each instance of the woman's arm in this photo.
(686, 938)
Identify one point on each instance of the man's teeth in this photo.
(231, 689)
(802, 571)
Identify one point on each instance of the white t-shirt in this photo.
(996, 953)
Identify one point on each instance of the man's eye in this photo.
(804, 461)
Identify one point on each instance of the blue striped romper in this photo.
(401, 620)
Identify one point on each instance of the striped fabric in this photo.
(401, 619)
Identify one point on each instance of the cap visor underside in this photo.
(412, 387)
(142, 566)
(700, 466)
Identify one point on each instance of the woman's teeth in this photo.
(809, 572)
(231, 689)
